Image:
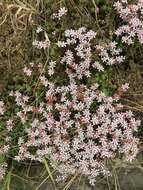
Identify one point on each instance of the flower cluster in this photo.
(78, 52)
(51, 67)
(2, 109)
(80, 129)
(78, 56)
(3, 168)
(110, 54)
(132, 15)
(9, 124)
(41, 44)
(61, 12)
(76, 124)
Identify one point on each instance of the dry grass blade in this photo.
(37, 188)
(19, 13)
(43, 181)
(3, 18)
(49, 172)
(70, 182)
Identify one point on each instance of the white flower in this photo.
(2, 109)
(27, 71)
(125, 87)
(39, 29)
